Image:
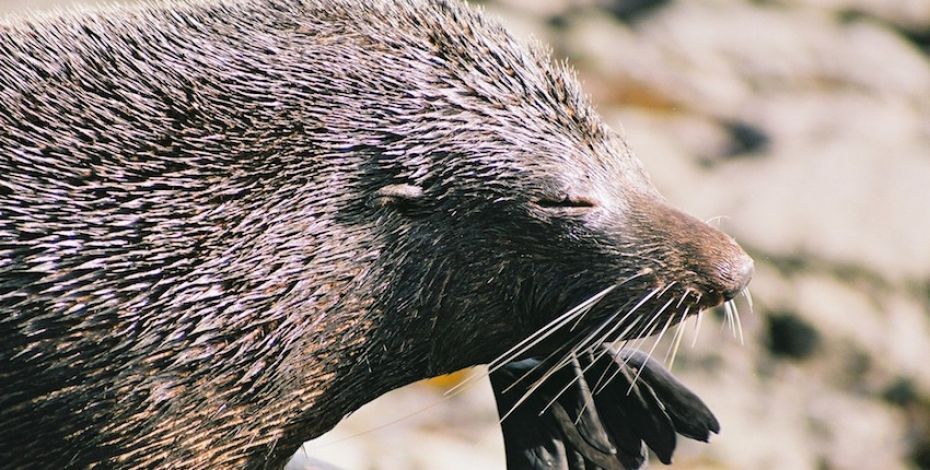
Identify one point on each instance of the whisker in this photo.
(568, 357)
(638, 333)
(728, 311)
(676, 340)
(725, 324)
(617, 350)
(599, 355)
(716, 219)
(533, 369)
(639, 274)
(739, 325)
(582, 309)
(538, 383)
(603, 379)
(697, 328)
(620, 370)
(582, 346)
(549, 328)
(625, 360)
(655, 343)
(604, 350)
(748, 299)
(565, 359)
(607, 328)
(655, 316)
(625, 332)
(535, 386)
(587, 344)
(535, 338)
(593, 362)
(567, 386)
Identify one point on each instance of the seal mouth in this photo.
(623, 332)
(664, 304)
(635, 308)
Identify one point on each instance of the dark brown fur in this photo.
(225, 225)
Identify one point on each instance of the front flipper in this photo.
(603, 430)
(690, 416)
(569, 435)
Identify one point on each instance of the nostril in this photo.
(743, 274)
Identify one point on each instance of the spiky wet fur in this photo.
(195, 268)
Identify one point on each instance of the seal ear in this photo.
(399, 195)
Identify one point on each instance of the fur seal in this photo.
(226, 224)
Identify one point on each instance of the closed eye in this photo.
(567, 202)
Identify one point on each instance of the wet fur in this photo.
(200, 266)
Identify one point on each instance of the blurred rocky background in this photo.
(802, 128)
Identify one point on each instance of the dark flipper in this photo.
(552, 440)
(606, 430)
(689, 414)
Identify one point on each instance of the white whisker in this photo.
(532, 369)
(655, 316)
(716, 219)
(639, 274)
(624, 364)
(582, 345)
(529, 392)
(748, 299)
(568, 385)
(549, 329)
(676, 340)
(618, 351)
(532, 340)
(697, 328)
(604, 350)
(654, 344)
(586, 343)
(730, 322)
(739, 325)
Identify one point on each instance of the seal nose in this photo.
(718, 265)
(742, 274)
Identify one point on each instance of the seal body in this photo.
(225, 225)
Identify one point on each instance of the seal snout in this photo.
(724, 269)
(698, 255)
(742, 274)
